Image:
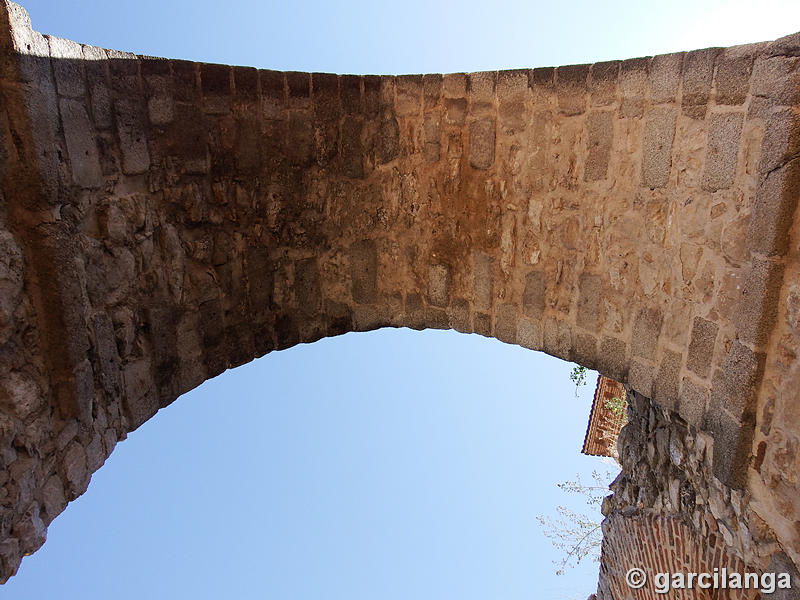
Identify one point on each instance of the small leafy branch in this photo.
(578, 377)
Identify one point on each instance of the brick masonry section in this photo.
(658, 543)
(669, 514)
(167, 220)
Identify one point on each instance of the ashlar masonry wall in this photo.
(163, 221)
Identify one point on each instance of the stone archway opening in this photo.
(467, 441)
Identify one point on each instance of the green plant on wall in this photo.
(578, 377)
(616, 405)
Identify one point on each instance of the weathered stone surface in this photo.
(245, 82)
(387, 143)
(781, 141)
(160, 103)
(773, 209)
(698, 69)
(722, 149)
(659, 134)
(665, 76)
(99, 92)
(734, 387)
(75, 471)
(352, 149)
(106, 348)
(432, 89)
(557, 338)
(409, 95)
(141, 401)
(646, 330)
(633, 87)
(349, 94)
(297, 84)
(53, 498)
(81, 145)
(542, 82)
(600, 133)
(505, 328)
(202, 215)
(455, 111)
(776, 77)
(613, 359)
(701, 346)
(433, 135)
(67, 67)
(215, 86)
(273, 94)
(131, 127)
(363, 272)
(481, 90)
(483, 287)
(482, 143)
(439, 285)
(667, 381)
(529, 334)
(603, 82)
(455, 85)
(512, 84)
(307, 287)
(640, 378)
(731, 449)
(482, 323)
(19, 396)
(732, 78)
(512, 91)
(586, 350)
(458, 315)
(571, 88)
(533, 296)
(589, 298)
(693, 402)
(758, 303)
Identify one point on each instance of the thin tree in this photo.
(578, 377)
(578, 535)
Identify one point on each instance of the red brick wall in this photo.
(659, 543)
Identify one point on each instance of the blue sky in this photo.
(392, 464)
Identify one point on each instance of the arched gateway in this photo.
(164, 220)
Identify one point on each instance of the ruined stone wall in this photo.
(670, 514)
(167, 220)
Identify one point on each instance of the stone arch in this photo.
(168, 220)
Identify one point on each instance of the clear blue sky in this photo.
(394, 464)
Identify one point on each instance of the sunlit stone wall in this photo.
(164, 220)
